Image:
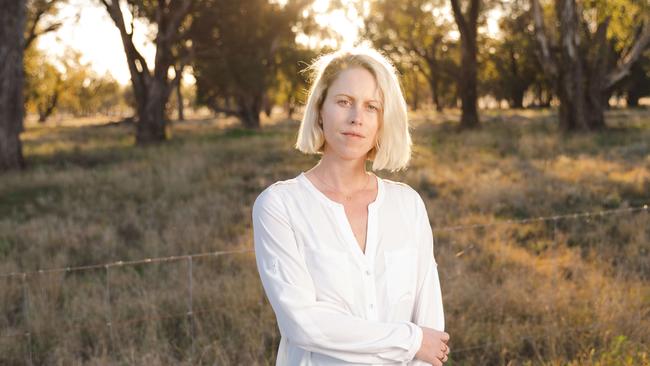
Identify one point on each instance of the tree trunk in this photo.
(46, 111)
(152, 122)
(290, 107)
(597, 94)
(632, 98)
(585, 84)
(151, 87)
(572, 78)
(415, 98)
(267, 105)
(249, 108)
(517, 88)
(179, 100)
(517, 100)
(467, 25)
(12, 28)
(468, 92)
(432, 78)
(435, 92)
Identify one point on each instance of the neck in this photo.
(341, 174)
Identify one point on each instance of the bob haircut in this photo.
(392, 150)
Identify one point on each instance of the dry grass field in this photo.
(564, 291)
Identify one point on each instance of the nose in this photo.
(356, 115)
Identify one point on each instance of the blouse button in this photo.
(372, 306)
(368, 272)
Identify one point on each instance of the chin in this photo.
(350, 154)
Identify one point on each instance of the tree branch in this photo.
(473, 13)
(42, 8)
(546, 59)
(625, 63)
(459, 17)
(176, 19)
(140, 77)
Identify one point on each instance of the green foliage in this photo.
(417, 39)
(510, 65)
(69, 85)
(43, 83)
(290, 86)
(95, 95)
(237, 47)
(626, 17)
(41, 18)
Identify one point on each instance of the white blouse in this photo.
(334, 304)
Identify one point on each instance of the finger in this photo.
(445, 337)
(436, 362)
(444, 359)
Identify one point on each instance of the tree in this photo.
(416, 41)
(40, 19)
(467, 23)
(581, 61)
(290, 88)
(66, 84)
(152, 87)
(637, 84)
(12, 28)
(510, 67)
(43, 84)
(20, 24)
(236, 48)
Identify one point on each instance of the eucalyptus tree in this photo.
(152, 84)
(416, 40)
(596, 46)
(12, 28)
(238, 48)
(467, 23)
(21, 23)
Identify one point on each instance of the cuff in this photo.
(417, 341)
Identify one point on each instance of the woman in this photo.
(345, 257)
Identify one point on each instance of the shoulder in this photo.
(406, 199)
(402, 191)
(271, 197)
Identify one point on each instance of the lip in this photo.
(352, 134)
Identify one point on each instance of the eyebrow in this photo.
(351, 97)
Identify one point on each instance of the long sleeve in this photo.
(428, 311)
(314, 325)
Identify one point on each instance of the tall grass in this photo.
(563, 292)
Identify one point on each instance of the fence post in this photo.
(28, 333)
(109, 318)
(190, 306)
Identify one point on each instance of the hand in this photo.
(434, 348)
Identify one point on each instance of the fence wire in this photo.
(110, 324)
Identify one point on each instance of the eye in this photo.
(373, 107)
(343, 102)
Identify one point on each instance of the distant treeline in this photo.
(245, 58)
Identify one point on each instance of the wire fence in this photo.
(110, 324)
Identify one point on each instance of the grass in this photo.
(564, 292)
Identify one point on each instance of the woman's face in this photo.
(351, 113)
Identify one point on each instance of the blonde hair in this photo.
(392, 150)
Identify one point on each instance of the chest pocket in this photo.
(401, 266)
(330, 271)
